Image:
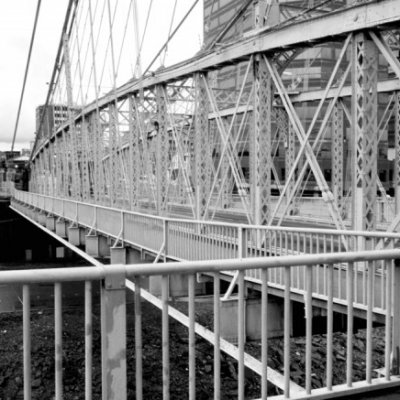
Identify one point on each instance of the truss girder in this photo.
(260, 147)
(364, 125)
(337, 155)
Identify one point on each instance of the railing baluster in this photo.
(286, 334)
(308, 312)
(241, 334)
(88, 340)
(264, 333)
(217, 355)
(329, 333)
(350, 305)
(27, 340)
(58, 341)
(192, 343)
(138, 341)
(370, 305)
(388, 317)
(165, 337)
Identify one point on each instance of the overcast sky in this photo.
(16, 23)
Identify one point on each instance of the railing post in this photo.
(396, 319)
(165, 234)
(113, 333)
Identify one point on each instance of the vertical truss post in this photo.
(134, 154)
(337, 156)
(33, 178)
(162, 145)
(397, 154)
(97, 141)
(65, 168)
(365, 131)
(46, 157)
(113, 156)
(58, 163)
(260, 144)
(201, 145)
(40, 174)
(225, 177)
(76, 194)
(52, 163)
(290, 156)
(84, 158)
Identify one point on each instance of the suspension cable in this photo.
(138, 67)
(169, 32)
(26, 73)
(171, 36)
(69, 18)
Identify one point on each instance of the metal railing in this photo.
(202, 240)
(116, 278)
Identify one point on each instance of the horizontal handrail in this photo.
(53, 275)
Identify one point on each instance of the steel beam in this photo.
(337, 156)
(201, 146)
(365, 135)
(260, 150)
(162, 146)
(134, 153)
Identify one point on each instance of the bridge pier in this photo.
(119, 255)
(178, 286)
(61, 228)
(97, 246)
(41, 218)
(77, 235)
(229, 318)
(51, 223)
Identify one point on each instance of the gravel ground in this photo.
(11, 383)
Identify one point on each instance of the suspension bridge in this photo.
(265, 164)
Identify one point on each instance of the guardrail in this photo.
(116, 278)
(204, 240)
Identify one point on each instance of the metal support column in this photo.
(161, 152)
(84, 150)
(290, 156)
(260, 153)
(365, 131)
(134, 154)
(337, 156)
(113, 155)
(201, 145)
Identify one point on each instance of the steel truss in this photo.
(177, 139)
